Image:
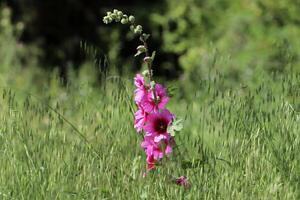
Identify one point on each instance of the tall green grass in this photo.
(78, 142)
(241, 139)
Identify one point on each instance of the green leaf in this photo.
(171, 131)
(176, 126)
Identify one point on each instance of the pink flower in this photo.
(150, 162)
(150, 104)
(154, 119)
(157, 125)
(152, 148)
(183, 181)
(157, 149)
(141, 90)
(140, 119)
(139, 81)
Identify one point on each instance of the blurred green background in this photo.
(192, 37)
(66, 99)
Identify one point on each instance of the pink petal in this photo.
(159, 138)
(168, 149)
(139, 81)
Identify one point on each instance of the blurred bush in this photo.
(236, 37)
(59, 28)
(192, 37)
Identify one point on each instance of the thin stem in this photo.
(149, 65)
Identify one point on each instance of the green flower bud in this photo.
(145, 73)
(152, 84)
(109, 19)
(138, 29)
(124, 21)
(148, 59)
(141, 48)
(132, 28)
(131, 19)
(115, 11)
(108, 13)
(113, 16)
(120, 14)
(145, 36)
(118, 18)
(105, 20)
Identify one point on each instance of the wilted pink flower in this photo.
(150, 104)
(150, 162)
(183, 181)
(157, 125)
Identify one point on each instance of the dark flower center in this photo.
(161, 125)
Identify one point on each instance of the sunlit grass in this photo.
(78, 142)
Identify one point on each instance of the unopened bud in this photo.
(148, 59)
(118, 18)
(145, 73)
(105, 21)
(124, 21)
(138, 29)
(141, 48)
(131, 19)
(120, 14)
(152, 84)
(115, 11)
(113, 16)
(132, 28)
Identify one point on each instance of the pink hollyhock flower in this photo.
(157, 125)
(152, 148)
(141, 90)
(150, 104)
(140, 119)
(155, 151)
(158, 150)
(183, 181)
(139, 81)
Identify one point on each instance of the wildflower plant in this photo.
(152, 119)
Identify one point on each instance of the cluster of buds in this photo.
(119, 16)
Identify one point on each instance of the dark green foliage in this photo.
(236, 37)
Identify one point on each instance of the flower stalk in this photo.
(152, 118)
